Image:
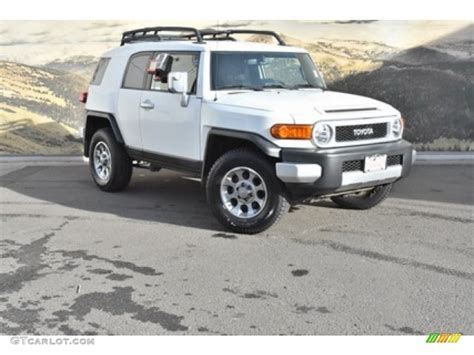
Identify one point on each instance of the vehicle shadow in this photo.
(164, 197)
(430, 183)
(169, 197)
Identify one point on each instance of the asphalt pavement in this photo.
(153, 260)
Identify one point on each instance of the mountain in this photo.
(47, 92)
(423, 56)
(39, 110)
(338, 59)
(79, 65)
(26, 132)
(459, 44)
(433, 91)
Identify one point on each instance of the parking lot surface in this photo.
(153, 260)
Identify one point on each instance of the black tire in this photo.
(365, 200)
(120, 163)
(272, 210)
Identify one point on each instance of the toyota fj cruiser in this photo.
(254, 121)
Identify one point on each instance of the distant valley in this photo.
(82, 66)
(432, 85)
(39, 110)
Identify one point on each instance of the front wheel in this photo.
(365, 199)
(244, 193)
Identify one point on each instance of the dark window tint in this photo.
(135, 75)
(100, 71)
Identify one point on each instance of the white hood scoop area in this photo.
(348, 110)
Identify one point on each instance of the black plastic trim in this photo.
(113, 123)
(267, 147)
(331, 161)
(166, 161)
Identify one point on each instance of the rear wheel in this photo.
(109, 164)
(365, 199)
(244, 193)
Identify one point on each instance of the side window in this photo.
(181, 62)
(136, 70)
(100, 71)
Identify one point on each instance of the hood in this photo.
(307, 106)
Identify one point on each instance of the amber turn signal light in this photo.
(292, 131)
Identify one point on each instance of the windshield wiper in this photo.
(277, 86)
(241, 87)
(307, 86)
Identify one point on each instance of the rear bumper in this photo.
(320, 172)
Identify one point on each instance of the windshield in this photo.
(262, 70)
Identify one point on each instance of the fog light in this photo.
(322, 133)
(397, 127)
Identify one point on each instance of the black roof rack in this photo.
(227, 34)
(153, 34)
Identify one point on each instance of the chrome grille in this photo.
(361, 132)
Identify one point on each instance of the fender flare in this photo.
(267, 147)
(112, 122)
(263, 144)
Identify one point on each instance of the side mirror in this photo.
(178, 83)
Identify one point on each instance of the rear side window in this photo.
(136, 70)
(100, 71)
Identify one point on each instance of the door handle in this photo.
(147, 105)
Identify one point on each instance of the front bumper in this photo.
(321, 172)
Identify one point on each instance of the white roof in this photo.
(238, 46)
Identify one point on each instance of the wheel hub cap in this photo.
(102, 161)
(243, 192)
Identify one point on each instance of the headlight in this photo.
(322, 133)
(397, 127)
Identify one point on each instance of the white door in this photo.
(128, 115)
(129, 99)
(167, 128)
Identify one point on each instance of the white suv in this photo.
(254, 121)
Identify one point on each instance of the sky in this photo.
(39, 42)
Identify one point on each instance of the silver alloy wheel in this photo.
(243, 192)
(102, 161)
